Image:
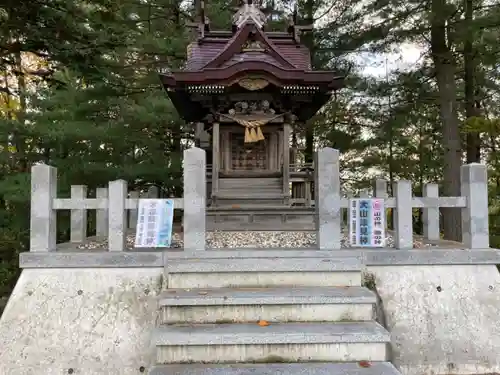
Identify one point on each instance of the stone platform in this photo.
(95, 313)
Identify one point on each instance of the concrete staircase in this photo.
(263, 316)
(247, 192)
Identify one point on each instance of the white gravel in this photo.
(250, 239)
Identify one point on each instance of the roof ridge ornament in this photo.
(249, 12)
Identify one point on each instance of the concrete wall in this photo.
(80, 321)
(443, 319)
(99, 321)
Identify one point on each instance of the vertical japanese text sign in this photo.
(154, 223)
(366, 222)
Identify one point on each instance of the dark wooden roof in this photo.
(220, 58)
(213, 59)
(213, 52)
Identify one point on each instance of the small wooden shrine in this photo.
(245, 89)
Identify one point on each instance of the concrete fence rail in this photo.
(116, 208)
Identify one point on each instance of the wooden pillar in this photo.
(200, 126)
(269, 151)
(273, 153)
(215, 158)
(293, 156)
(222, 147)
(286, 160)
(307, 193)
(226, 150)
(279, 150)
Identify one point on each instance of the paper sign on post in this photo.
(367, 222)
(154, 223)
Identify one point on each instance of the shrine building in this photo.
(245, 89)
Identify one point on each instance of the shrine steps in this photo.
(249, 192)
(377, 368)
(260, 218)
(262, 315)
(254, 184)
(266, 272)
(291, 342)
(279, 304)
(247, 199)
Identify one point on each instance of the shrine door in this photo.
(248, 156)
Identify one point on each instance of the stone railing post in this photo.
(430, 215)
(117, 232)
(403, 236)
(133, 213)
(194, 199)
(364, 193)
(78, 228)
(43, 217)
(101, 216)
(474, 187)
(327, 199)
(153, 192)
(380, 191)
(345, 211)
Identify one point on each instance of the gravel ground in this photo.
(249, 239)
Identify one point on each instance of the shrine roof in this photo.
(207, 49)
(248, 58)
(218, 57)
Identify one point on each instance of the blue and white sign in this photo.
(154, 223)
(366, 222)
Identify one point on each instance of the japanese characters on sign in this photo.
(366, 222)
(154, 223)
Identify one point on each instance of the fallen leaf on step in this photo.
(364, 364)
(263, 323)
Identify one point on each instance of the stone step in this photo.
(248, 203)
(278, 342)
(310, 304)
(245, 191)
(253, 182)
(260, 221)
(263, 272)
(266, 253)
(351, 368)
(251, 187)
(280, 209)
(252, 195)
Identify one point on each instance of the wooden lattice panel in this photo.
(248, 156)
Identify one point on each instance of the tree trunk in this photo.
(445, 68)
(473, 137)
(19, 137)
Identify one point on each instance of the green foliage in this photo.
(81, 92)
(79, 89)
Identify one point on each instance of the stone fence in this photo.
(115, 203)
(116, 208)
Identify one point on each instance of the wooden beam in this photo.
(286, 161)
(215, 157)
(278, 120)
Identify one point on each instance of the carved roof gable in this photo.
(249, 13)
(249, 39)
